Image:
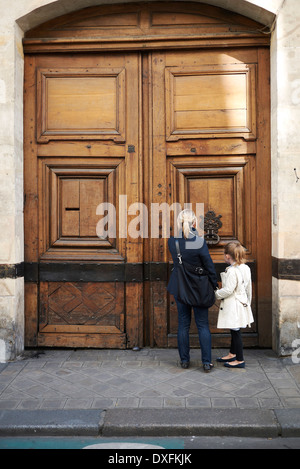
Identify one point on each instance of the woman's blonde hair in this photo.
(185, 221)
(236, 251)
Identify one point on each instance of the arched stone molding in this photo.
(262, 11)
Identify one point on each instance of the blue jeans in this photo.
(183, 339)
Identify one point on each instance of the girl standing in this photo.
(235, 307)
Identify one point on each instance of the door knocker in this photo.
(212, 224)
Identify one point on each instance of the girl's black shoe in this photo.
(225, 360)
(238, 365)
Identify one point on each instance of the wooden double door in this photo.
(112, 139)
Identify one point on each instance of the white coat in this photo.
(235, 295)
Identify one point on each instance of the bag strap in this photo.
(198, 269)
(243, 283)
(178, 251)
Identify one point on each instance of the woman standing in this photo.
(194, 251)
(235, 307)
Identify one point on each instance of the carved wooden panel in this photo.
(86, 308)
(226, 186)
(65, 95)
(79, 200)
(104, 20)
(72, 193)
(161, 19)
(209, 101)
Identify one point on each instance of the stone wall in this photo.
(22, 15)
(11, 190)
(285, 86)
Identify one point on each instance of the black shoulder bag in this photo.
(194, 286)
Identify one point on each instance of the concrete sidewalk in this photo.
(146, 392)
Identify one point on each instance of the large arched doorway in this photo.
(158, 103)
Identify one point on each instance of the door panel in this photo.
(65, 95)
(224, 185)
(74, 307)
(206, 102)
(210, 99)
(76, 168)
(71, 190)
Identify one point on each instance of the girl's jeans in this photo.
(184, 322)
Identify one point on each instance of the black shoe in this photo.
(185, 365)
(225, 360)
(207, 367)
(238, 365)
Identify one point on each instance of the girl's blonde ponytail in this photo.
(236, 251)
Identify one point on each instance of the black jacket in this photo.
(194, 251)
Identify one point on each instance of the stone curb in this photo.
(51, 422)
(152, 422)
(191, 422)
(289, 420)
